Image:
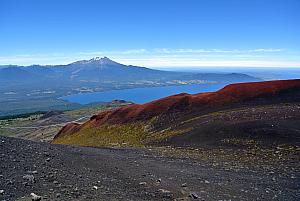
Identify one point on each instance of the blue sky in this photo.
(153, 33)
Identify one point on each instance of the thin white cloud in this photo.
(169, 51)
(208, 63)
(180, 51)
(167, 57)
(121, 52)
(267, 50)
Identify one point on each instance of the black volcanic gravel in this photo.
(57, 172)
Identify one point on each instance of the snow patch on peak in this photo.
(104, 60)
(98, 60)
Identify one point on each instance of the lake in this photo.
(141, 95)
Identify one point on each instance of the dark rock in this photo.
(194, 195)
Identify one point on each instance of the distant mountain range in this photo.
(96, 70)
(99, 70)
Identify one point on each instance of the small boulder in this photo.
(194, 195)
(29, 178)
(35, 197)
(184, 185)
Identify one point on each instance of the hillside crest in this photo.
(239, 93)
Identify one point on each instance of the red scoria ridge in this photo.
(232, 93)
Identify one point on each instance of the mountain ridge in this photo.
(99, 60)
(233, 95)
(104, 69)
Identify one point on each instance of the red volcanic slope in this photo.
(69, 129)
(184, 102)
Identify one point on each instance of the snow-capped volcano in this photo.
(98, 60)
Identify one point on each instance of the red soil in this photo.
(70, 128)
(232, 93)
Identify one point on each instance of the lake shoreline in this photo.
(141, 95)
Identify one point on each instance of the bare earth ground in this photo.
(57, 172)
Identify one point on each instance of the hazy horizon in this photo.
(175, 68)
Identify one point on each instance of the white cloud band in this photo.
(166, 57)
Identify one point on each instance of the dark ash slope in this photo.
(77, 173)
